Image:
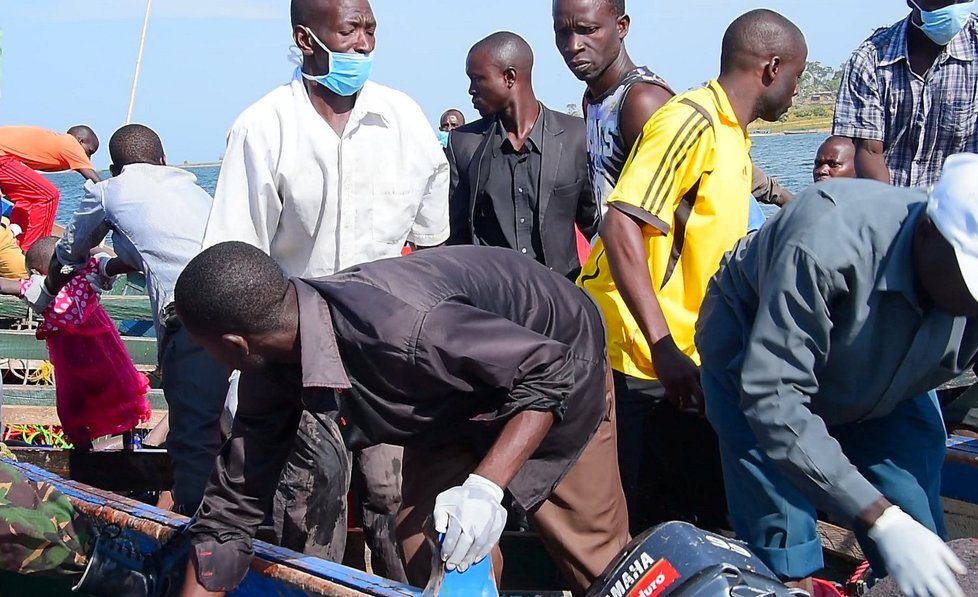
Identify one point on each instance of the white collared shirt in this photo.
(318, 202)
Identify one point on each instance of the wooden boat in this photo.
(281, 572)
(275, 571)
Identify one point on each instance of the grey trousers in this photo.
(377, 489)
(310, 508)
(195, 387)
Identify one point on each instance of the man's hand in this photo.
(472, 518)
(921, 564)
(679, 375)
(101, 280)
(37, 295)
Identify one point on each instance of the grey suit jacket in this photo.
(564, 188)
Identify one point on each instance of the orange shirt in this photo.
(42, 149)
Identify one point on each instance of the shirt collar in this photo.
(322, 366)
(534, 142)
(896, 274)
(367, 109)
(724, 108)
(962, 47)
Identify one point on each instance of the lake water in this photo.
(788, 158)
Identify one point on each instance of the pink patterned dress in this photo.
(99, 392)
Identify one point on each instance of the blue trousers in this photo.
(901, 454)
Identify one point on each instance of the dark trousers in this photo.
(195, 387)
(310, 507)
(309, 510)
(670, 461)
(376, 486)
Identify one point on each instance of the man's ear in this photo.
(772, 69)
(302, 40)
(235, 344)
(510, 76)
(623, 24)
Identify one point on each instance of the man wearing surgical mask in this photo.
(326, 172)
(907, 98)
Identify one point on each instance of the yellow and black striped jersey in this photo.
(689, 179)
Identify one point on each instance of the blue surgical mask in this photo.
(348, 72)
(943, 24)
(443, 138)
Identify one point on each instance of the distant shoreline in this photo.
(198, 164)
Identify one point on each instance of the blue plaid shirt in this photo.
(920, 120)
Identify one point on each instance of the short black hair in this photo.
(135, 144)
(84, 133)
(302, 12)
(82, 130)
(759, 33)
(38, 257)
(506, 50)
(452, 111)
(231, 287)
(617, 7)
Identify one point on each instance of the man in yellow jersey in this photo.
(680, 203)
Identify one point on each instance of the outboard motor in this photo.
(676, 559)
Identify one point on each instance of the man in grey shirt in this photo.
(820, 337)
(157, 215)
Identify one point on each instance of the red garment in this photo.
(34, 197)
(99, 392)
(583, 246)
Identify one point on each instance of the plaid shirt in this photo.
(920, 120)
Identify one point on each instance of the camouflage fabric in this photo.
(40, 532)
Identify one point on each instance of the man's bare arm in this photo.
(640, 104)
(869, 160)
(519, 439)
(90, 174)
(625, 245)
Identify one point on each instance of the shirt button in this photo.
(523, 250)
(520, 189)
(522, 220)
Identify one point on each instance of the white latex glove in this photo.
(37, 295)
(917, 559)
(100, 280)
(15, 230)
(472, 518)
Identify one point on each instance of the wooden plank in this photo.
(45, 396)
(112, 470)
(48, 415)
(23, 345)
(840, 542)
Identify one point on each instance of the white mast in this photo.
(139, 62)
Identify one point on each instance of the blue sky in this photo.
(71, 61)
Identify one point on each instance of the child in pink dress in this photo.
(98, 390)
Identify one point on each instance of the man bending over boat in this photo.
(487, 367)
(820, 338)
